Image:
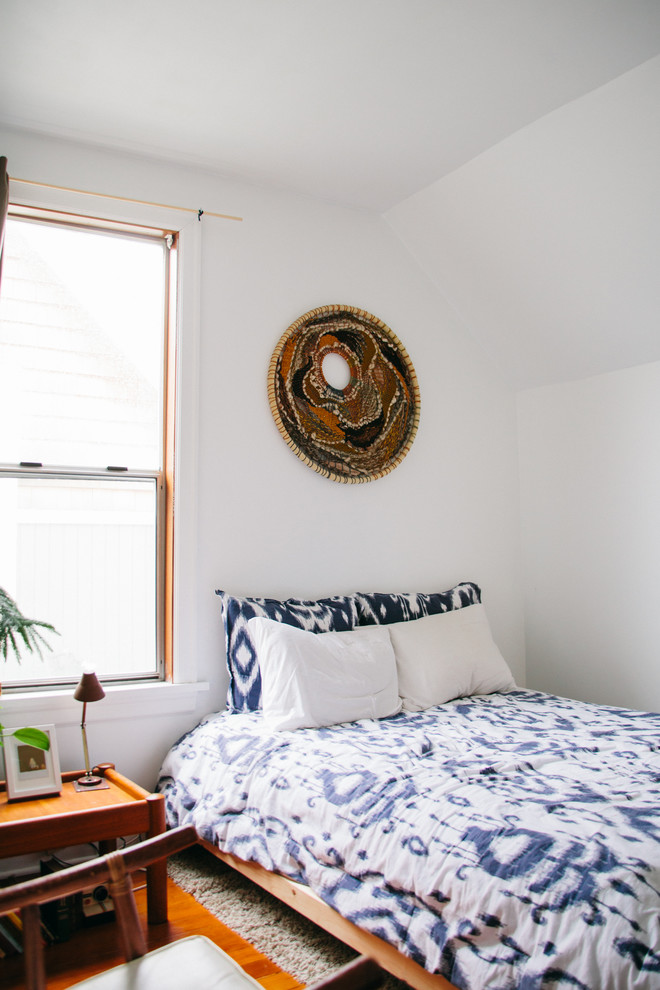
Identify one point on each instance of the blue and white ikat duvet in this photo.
(506, 841)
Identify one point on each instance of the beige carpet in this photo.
(297, 945)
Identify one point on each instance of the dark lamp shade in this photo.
(89, 689)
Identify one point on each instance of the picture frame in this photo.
(31, 772)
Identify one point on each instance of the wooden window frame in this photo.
(164, 478)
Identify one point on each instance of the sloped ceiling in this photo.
(443, 114)
(362, 102)
(548, 245)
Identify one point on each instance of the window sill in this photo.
(120, 702)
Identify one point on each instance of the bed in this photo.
(498, 838)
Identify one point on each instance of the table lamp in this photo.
(89, 689)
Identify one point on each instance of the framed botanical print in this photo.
(31, 772)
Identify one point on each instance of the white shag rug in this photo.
(296, 945)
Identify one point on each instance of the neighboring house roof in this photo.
(75, 381)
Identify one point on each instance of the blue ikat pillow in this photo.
(337, 614)
(381, 608)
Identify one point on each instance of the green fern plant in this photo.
(14, 625)
(15, 629)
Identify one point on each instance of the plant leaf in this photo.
(13, 621)
(32, 737)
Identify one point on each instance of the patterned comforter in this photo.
(506, 841)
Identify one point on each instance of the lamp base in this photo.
(90, 781)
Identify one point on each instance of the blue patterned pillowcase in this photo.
(380, 608)
(337, 614)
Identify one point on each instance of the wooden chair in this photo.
(192, 962)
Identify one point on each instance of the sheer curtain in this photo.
(4, 203)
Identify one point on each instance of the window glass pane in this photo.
(81, 339)
(81, 555)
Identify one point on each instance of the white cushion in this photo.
(190, 962)
(315, 679)
(445, 656)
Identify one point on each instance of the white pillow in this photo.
(314, 679)
(445, 656)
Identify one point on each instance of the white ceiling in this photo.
(358, 102)
(512, 145)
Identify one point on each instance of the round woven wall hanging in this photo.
(352, 431)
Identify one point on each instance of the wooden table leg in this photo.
(157, 872)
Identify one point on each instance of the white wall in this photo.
(590, 484)
(548, 247)
(263, 523)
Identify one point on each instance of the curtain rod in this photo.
(125, 199)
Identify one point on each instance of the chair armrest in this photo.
(360, 974)
(95, 871)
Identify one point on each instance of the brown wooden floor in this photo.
(91, 950)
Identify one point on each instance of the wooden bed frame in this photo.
(306, 902)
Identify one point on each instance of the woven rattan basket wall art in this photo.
(353, 434)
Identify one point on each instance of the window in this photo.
(86, 407)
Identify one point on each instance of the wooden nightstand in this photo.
(73, 817)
